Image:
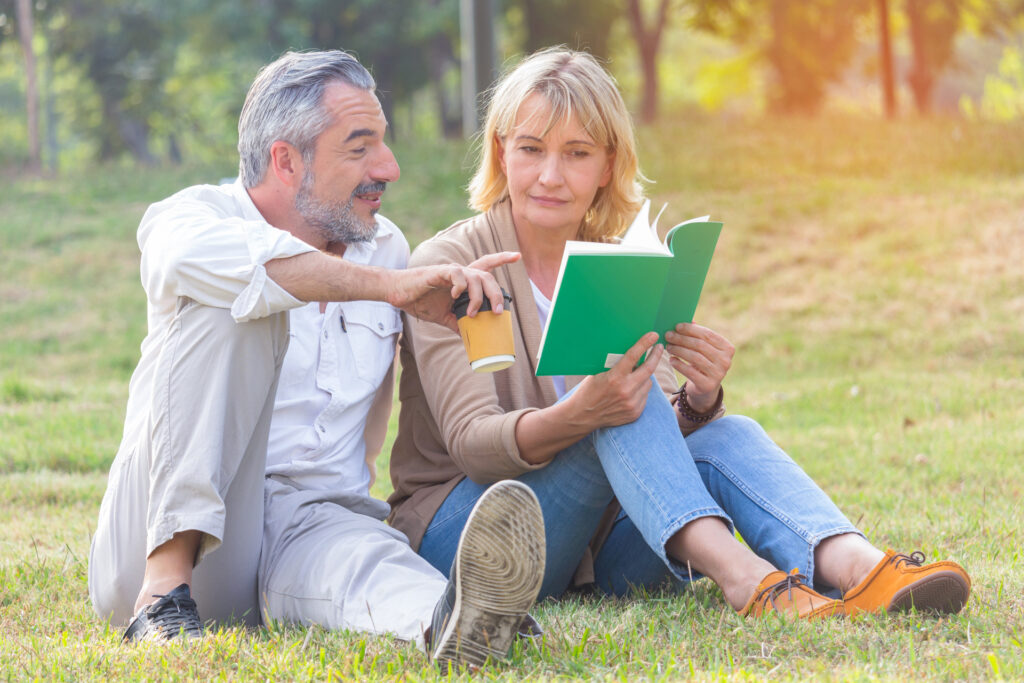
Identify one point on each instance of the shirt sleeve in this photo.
(477, 432)
(202, 249)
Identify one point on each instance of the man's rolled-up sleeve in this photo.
(194, 249)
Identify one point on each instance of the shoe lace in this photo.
(174, 613)
(770, 593)
(915, 559)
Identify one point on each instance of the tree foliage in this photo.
(807, 44)
(153, 79)
(580, 24)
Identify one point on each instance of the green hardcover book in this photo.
(608, 295)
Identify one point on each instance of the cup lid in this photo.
(461, 303)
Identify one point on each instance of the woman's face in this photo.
(552, 178)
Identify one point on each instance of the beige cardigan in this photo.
(455, 422)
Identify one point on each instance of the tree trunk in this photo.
(26, 30)
(921, 78)
(442, 60)
(648, 41)
(885, 59)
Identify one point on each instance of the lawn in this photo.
(870, 274)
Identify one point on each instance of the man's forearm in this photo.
(316, 276)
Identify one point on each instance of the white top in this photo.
(543, 310)
(336, 370)
(208, 243)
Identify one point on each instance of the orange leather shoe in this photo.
(901, 582)
(789, 594)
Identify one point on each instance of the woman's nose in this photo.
(551, 170)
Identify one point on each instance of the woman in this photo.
(627, 500)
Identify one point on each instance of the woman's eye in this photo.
(530, 149)
(580, 153)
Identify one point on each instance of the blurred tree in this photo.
(648, 40)
(933, 25)
(885, 59)
(126, 50)
(26, 32)
(807, 44)
(407, 46)
(580, 24)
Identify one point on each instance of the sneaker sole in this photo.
(500, 566)
(944, 592)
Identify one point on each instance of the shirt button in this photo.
(380, 326)
(321, 428)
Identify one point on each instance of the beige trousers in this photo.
(194, 457)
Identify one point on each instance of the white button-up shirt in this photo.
(208, 243)
(334, 396)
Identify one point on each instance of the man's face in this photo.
(341, 189)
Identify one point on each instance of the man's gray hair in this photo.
(285, 102)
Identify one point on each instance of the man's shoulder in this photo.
(222, 199)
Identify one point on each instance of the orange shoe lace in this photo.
(786, 585)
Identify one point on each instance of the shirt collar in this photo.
(385, 228)
(249, 210)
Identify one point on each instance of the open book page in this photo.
(641, 237)
(608, 294)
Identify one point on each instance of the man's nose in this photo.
(385, 169)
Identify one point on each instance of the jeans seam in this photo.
(435, 522)
(636, 477)
(754, 497)
(811, 539)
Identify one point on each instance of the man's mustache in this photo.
(369, 188)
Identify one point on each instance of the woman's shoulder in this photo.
(462, 242)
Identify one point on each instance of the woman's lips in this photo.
(549, 201)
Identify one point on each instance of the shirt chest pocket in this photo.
(372, 329)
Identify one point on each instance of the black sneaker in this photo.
(494, 580)
(172, 615)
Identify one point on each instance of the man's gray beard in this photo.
(336, 221)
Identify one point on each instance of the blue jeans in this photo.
(728, 468)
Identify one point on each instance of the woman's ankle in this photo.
(845, 560)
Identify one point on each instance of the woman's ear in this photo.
(606, 177)
(499, 149)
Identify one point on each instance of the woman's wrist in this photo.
(702, 412)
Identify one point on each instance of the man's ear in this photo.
(286, 163)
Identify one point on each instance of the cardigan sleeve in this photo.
(478, 433)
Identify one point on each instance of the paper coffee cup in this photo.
(488, 335)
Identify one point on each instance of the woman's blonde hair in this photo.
(574, 84)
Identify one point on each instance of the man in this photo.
(237, 478)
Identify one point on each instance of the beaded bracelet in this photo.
(687, 411)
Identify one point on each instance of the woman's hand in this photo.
(703, 357)
(619, 395)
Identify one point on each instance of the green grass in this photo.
(869, 273)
